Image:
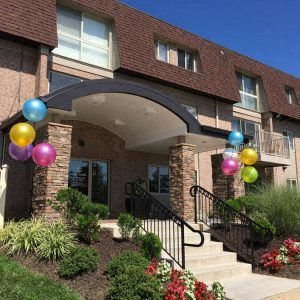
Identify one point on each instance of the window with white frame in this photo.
(185, 59)
(291, 182)
(247, 89)
(162, 51)
(158, 179)
(191, 109)
(291, 138)
(82, 37)
(291, 95)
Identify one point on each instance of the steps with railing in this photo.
(160, 220)
(231, 227)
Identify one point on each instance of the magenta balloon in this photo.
(43, 154)
(20, 153)
(229, 166)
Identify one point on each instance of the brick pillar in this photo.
(41, 82)
(48, 181)
(181, 178)
(224, 186)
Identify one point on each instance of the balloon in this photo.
(43, 154)
(249, 156)
(230, 153)
(249, 174)
(20, 153)
(22, 134)
(34, 110)
(229, 166)
(235, 138)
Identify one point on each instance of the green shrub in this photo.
(126, 259)
(234, 203)
(263, 227)
(135, 284)
(129, 226)
(80, 260)
(280, 205)
(88, 228)
(56, 240)
(151, 245)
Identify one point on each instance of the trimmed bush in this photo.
(265, 227)
(126, 259)
(80, 260)
(151, 246)
(88, 228)
(129, 226)
(135, 284)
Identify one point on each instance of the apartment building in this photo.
(131, 98)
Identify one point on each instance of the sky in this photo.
(265, 30)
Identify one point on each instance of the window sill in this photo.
(79, 65)
(188, 70)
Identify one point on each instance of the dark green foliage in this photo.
(80, 260)
(234, 203)
(135, 284)
(151, 246)
(88, 228)
(262, 226)
(129, 226)
(18, 283)
(126, 259)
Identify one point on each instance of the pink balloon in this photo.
(229, 166)
(43, 154)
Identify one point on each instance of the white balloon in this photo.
(230, 153)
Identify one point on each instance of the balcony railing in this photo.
(267, 143)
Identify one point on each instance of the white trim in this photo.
(293, 141)
(157, 54)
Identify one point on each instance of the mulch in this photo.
(91, 286)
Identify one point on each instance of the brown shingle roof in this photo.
(135, 34)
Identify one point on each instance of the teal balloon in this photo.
(34, 110)
(235, 138)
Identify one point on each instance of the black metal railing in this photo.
(160, 220)
(237, 231)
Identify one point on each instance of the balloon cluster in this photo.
(22, 136)
(248, 157)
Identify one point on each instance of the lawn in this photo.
(16, 283)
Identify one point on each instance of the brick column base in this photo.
(181, 178)
(48, 181)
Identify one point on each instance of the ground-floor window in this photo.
(291, 182)
(91, 177)
(158, 179)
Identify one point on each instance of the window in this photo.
(292, 183)
(291, 95)
(185, 59)
(91, 177)
(246, 127)
(158, 179)
(247, 89)
(291, 138)
(82, 37)
(191, 109)
(57, 81)
(162, 51)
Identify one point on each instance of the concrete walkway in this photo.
(258, 287)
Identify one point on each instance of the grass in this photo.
(18, 283)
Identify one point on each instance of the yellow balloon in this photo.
(249, 156)
(22, 134)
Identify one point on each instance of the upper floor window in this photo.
(185, 59)
(82, 37)
(162, 51)
(247, 89)
(291, 95)
(191, 109)
(291, 138)
(58, 80)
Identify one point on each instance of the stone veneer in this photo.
(48, 181)
(181, 178)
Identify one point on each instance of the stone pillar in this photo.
(181, 178)
(48, 181)
(224, 186)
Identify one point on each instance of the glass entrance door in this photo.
(91, 177)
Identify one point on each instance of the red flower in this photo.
(269, 261)
(152, 268)
(201, 291)
(291, 247)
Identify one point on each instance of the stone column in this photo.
(48, 181)
(181, 178)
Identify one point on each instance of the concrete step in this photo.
(201, 260)
(207, 248)
(221, 271)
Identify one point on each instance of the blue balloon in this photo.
(34, 110)
(235, 138)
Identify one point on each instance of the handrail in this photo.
(236, 230)
(159, 219)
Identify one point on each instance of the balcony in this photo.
(272, 148)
